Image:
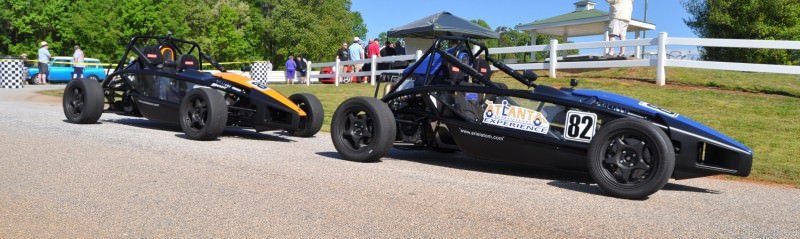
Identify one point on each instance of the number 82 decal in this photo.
(580, 126)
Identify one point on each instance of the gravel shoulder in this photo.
(129, 177)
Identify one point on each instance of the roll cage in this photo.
(138, 44)
(435, 57)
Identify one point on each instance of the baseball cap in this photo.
(356, 39)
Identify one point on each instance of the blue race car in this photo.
(448, 102)
(61, 70)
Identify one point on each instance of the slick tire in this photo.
(312, 123)
(203, 114)
(363, 129)
(83, 101)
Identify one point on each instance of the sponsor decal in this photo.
(455, 69)
(580, 126)
(188, 63)
(515, 117)
(482, 135)
(483, 70)
(259, 84)
(659, 109)
(152, 56)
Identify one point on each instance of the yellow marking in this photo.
(242, 80)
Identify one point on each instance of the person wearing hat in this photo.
(77, 59)
(44, 58)
(357, 53)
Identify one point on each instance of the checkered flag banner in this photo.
(259, 71)
(12, 73)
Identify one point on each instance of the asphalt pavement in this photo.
(134, 178)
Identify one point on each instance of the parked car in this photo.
(448, 103)
(61, 70)
(166, 82)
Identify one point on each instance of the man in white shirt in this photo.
(621, 11)
(77, 63)
(43, 59)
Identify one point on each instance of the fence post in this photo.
(373, 67)
(419, 54)
(661, 73)
(553, 57)
(308, 74)
(336, 68)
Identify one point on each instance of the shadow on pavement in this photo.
(594, 189)
(463, 162)
(229, 132)
(337, 156)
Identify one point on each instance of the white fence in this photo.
(553, 64)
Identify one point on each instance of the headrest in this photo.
(152, 54)
(483, 67)
(188, 62)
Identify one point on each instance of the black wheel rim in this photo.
(196, 113)
(629, 159)
(358, 129)
(75, 101)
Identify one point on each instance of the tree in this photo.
(229, 30)
(746, 19)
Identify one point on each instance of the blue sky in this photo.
(381, 15)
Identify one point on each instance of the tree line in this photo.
(226, 29)
(746, 19)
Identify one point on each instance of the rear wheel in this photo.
(203, 114)
(363, 129)
(83, 101)
(631, 158)
(309, 125)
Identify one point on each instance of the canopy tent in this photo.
(584, 21)
(442, 24)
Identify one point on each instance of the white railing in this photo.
(660, 62)
(373, 72)
(553, 65)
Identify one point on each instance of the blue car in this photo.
(449, 103)
(61, 70)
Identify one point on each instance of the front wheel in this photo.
(83, 101)
(312, 122)
(363, 129)
(203, 114)
(631, 158)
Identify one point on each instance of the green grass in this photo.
(766, 120)
(779, 84)
(330, 96)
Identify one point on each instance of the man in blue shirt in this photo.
(357, 53)
(44, 58)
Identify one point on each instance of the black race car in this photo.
(448, 102)
(164, 81)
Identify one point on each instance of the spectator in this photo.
(374, 49)
(302, 68)
(356, 54)
(399, 48)
(290, 68)
(343, 54)
(43, 59)
(388, 49)
(621, 11)
(268, 68)
(77, 63)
